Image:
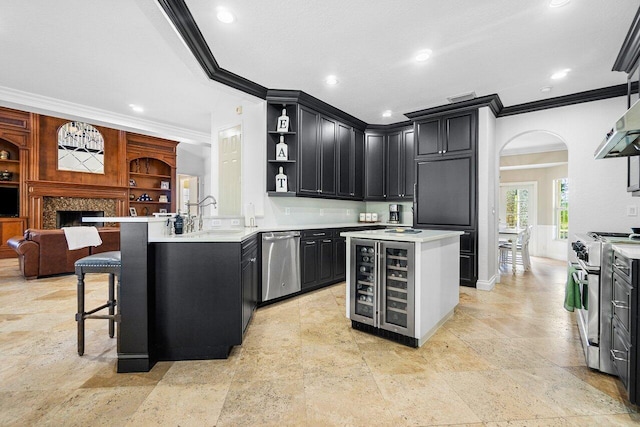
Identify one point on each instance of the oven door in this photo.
(588, 319)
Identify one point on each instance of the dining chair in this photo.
(523, 256)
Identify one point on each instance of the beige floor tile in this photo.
(454, 355)
(181, 405)
(507, 354)
(274, 403)
(202, 371)
(96, 406)
(621, 420)
(269, 364)
(495, 396)
(424, 399)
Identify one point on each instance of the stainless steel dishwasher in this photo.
(280, 264)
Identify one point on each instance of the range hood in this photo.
(622, 140)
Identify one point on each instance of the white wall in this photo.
(597, 188)
(487, 195)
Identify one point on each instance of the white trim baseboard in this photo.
(486, 285)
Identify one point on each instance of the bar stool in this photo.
(105, 262)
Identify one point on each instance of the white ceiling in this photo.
(97, 57)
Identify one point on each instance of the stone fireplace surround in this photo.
(51, 205)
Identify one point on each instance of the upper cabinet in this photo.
(325, 154)
(451, 134)
(389, 164)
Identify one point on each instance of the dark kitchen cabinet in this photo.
(446, 181)
(318, 147)
(339, 256)
(309, 263)
(249, 278)
(325, 260)
(400, 165)
(316, 258)
(375, 166)
(350, 165)
(308, 152)
(450, 134)
(446, 192)
(624, 322)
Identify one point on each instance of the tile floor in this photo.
(510, 357)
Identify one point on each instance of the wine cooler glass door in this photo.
(364, 281)
(397, 293)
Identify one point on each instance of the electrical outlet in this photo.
(632, 210)
(235, 222)
(321, 212)
(287, 211)
(216, 222)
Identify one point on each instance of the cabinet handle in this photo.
(444, 151)
(620, 304)
(252, 260)
(439, 151)
(326, 241)
(319, 234)
(310, 243)
(614, 357)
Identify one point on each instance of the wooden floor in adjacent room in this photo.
(511, 356)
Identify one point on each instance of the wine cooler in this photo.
(382, 285)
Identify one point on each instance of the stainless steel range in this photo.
(594, 257)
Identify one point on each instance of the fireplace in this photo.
(74, 218)
(60, 212)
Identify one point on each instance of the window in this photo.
(517, 204)
(561, 208)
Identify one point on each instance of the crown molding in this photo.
(574, 98)
(629, 54)
(26, 101)
(491, 101)
(184, 24)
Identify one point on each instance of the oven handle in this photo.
(587, 269)
(619, 304)
(581, 282)
(619, 359)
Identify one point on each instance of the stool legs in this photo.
(112, 305)
(80, 314)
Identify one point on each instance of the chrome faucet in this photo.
(200, 205)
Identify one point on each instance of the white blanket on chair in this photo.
(81, 237)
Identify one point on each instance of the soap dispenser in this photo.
(179, 224)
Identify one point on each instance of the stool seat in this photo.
(105, 262)
(104, 259)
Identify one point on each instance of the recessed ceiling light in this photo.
(546, 89)
(331, 80)
(386, 113)
(136, 108)
(560, 74)
(225, 16)
(423, 55)
(558, 3)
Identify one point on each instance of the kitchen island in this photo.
(188, 296)
(402, 284)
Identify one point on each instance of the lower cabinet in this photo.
(316, 258)
(249, 275)
(204, 294)
(339, 256)
(10, 227)
(624, 323)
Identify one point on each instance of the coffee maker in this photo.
(394, 214)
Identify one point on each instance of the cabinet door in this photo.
(358, 165)
(328, 156)
(460, 132)
(408, 164)
(308, 152)
(446, 192)
(394, 165)
(309, 263)
(374, 167)
(325, 261)
(345, 160)
(249, 286)
(339, 258)
(428, 137)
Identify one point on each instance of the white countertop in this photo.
(630, 250)
(227, 234)
(420, 237)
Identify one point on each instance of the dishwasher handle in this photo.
(270, 237)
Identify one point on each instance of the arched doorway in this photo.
(532, 190)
